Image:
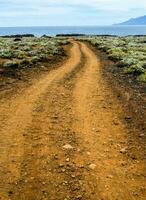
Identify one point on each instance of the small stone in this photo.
(25, 173)
(107, 187)
(123, 163)
(88, 153)
(92, 166)
(67, 160)
(79, 197)
(67, 146)
(123, 150)
(141, 135)
(61, 165)
(110, 176)
(81, 166)
(127, 118)
(56, 157)
(115, 122)
(65, 183)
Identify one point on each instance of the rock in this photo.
(18, 36)
(25, 173)
(73, 176)
(92, 166)
(141, 135)
(17, 39)
(67, 160)
(61, 165)
(65, 183)
(123, 163)
(123, 150)
(116, 123)
(46, 36)
(79, 197)
(88, 153)
(11, 64)
(127, 118)
(110, 176)
(81, 166)
(67, 146)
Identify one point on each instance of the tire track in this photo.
(45, 170)
(103, 137)
(19, 116)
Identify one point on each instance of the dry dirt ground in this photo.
(62, 138)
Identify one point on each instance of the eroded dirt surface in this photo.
(63, 138)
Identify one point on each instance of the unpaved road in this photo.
(62, 138)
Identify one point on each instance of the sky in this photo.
(68, 12)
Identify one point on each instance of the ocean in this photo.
(93, 30)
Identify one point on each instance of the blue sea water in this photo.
(93, 30)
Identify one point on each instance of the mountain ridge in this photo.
(134, 21)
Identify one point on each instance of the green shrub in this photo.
(135, 69)
(6, 53)
(127, 62)
(142, 77)
(35, 59)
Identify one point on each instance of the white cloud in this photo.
(94, 11)
(100, 4)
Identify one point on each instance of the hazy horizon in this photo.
(27, 13)
(31, 26)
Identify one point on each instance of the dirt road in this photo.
(62, 138)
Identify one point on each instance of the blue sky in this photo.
(68, 12)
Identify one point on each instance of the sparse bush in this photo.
(35, 59)
(142, 77)
(29, 51)
(6, 53)
(135, 69)
(125, 62)
(127, 52)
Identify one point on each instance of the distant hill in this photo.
(135, 21)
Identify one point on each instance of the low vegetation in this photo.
(28, 52)
(128, 53)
